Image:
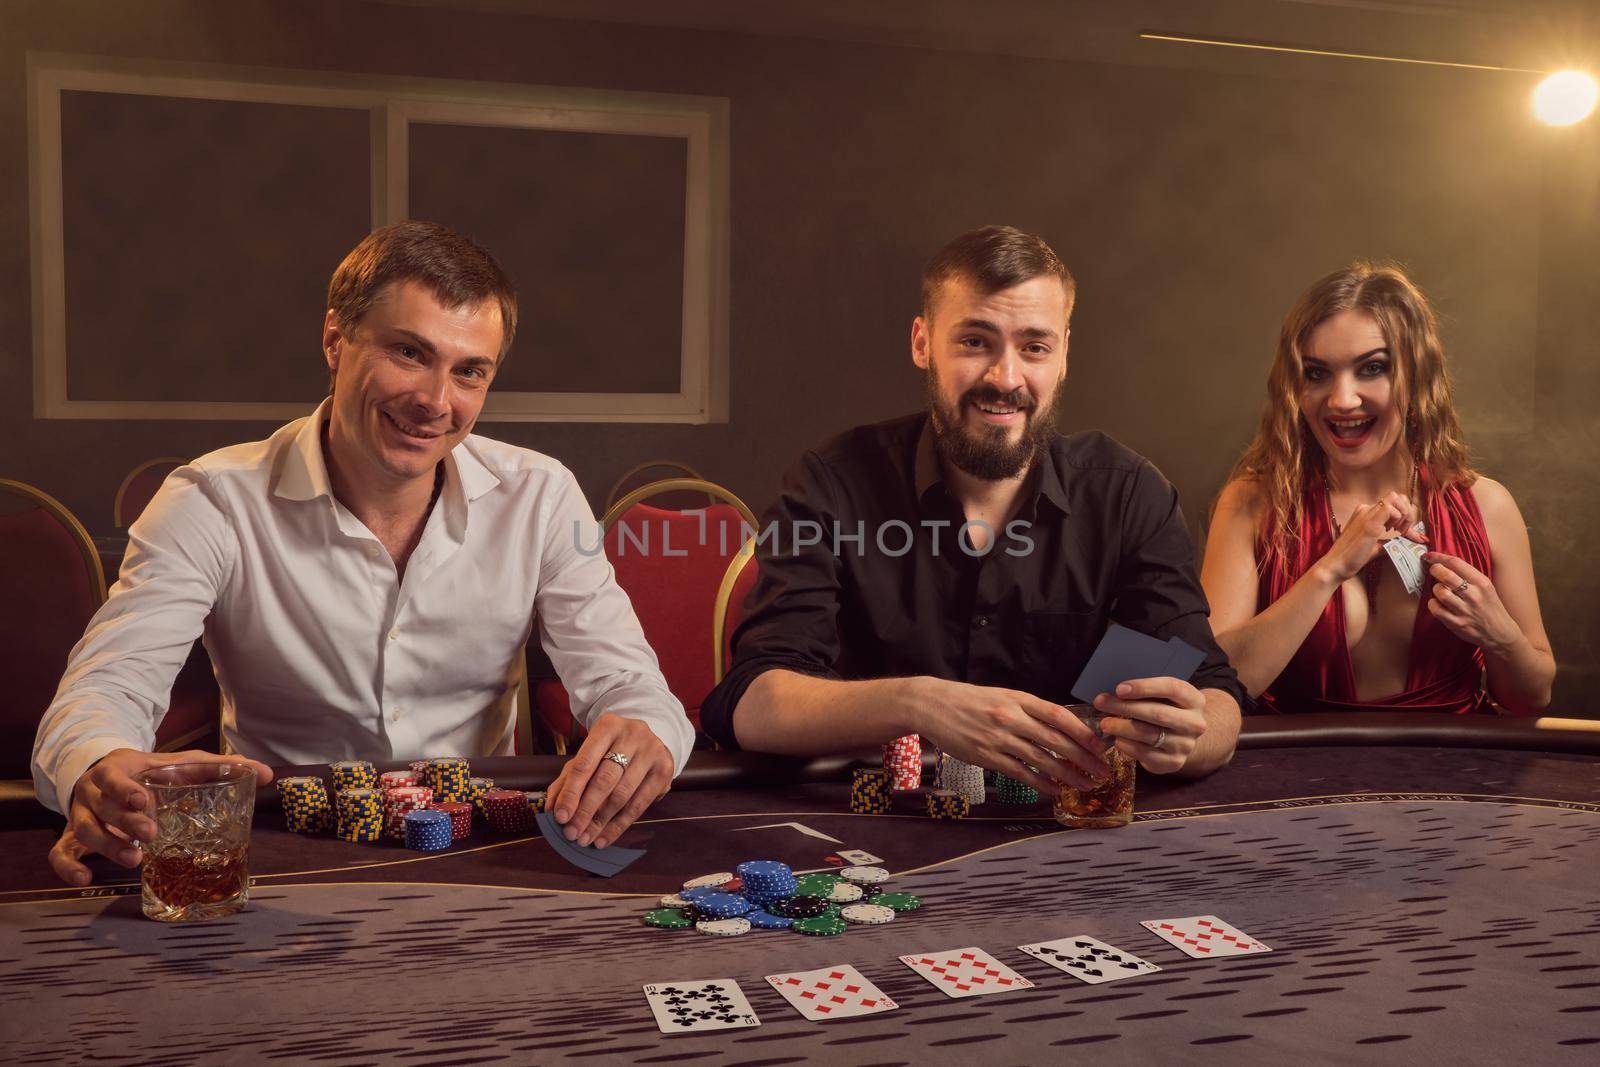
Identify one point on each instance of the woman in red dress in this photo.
(1358, 442)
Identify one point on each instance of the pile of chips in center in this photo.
(768, 895)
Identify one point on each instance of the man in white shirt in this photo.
(365, 580)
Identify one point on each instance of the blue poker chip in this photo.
(723, 905)
(699, 893)
(761, 920)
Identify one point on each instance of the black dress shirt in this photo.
(865, 573)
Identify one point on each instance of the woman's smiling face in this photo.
(1348, 392)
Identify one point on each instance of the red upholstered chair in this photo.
(729, 608)
(139, 486)
(51, 584)
(670, 563)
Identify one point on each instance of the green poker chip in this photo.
(668, 919)
(815, 885)
(899, 901)
(821, 926)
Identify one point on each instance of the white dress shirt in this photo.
(321, 651)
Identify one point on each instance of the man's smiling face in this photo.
(410, 378)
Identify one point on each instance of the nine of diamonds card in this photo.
(700, 1004)
(1089, 959)
(1205, 937)
(966, 972)
(840, 992)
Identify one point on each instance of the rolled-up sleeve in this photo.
(119, 675)
(1157, 590)
(588, 628)
(791, 622)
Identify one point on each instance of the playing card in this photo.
(840, 992)
(1406, 555)
(1125, 654)
(700, 1004)
(1205, 937)
(966, 972)
(602, 861)
(857, 858)
(1089, 959)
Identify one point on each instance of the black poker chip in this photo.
(798, 907)
(870, 891)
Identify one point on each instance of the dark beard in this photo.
(987, 454)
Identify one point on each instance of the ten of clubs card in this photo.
(699, 1005)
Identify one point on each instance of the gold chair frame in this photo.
(62, 514)
(122, 490)
(719, 610)
(616, 486)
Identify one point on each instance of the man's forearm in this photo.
(1216, 746)
(798, 715)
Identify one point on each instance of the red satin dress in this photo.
(1445, 672)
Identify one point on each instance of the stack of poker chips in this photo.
(961, 777)
(506, 811)
(353, 774)
(394, 779)
(476, 787)
(536, 802)
(460, 813)
(421, 767)
(902, 758)
(947, 804)
(765, 881)
(428, 830)
(869, 791)
(448, 777)
(399, 802)
(1010, 791)
(305, 805)
(360, 814)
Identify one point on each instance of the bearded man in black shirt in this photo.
(949, 573)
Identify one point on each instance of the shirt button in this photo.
(983, 620)
(394, 634)
(395, 715)
(372, 550)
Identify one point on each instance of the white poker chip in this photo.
(706, 880)
(864, 875)
(844, 892)
(867, 914)
(673, 900)
(725, 927)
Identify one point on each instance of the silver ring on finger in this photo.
(1462, 588)
(619, 758)
(1161, 739)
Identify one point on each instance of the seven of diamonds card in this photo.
(700, 1004)
(1205, 937)
(966, 972)
(840, 992)
(1089, 959)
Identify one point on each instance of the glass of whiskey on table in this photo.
(198, 866)
(1108, 804)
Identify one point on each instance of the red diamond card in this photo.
(966, 972)
(1205, 937)
(840, 992)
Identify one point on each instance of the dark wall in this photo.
(1193, 205)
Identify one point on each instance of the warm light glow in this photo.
(1565, 97)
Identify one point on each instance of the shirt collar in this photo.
(1043, 479)
(304, 475)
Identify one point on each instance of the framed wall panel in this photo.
(185, 220)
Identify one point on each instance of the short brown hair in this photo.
(457, 271)
(994, 258)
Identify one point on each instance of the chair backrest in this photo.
(671, 565)
(51, 584)
(737, 582)
(634, 478)
(134, 494)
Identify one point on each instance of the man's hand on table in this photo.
(108, 804)
(594, 798)
(1145, 711)
(1009, 731)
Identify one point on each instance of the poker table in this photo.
(1428, 887)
